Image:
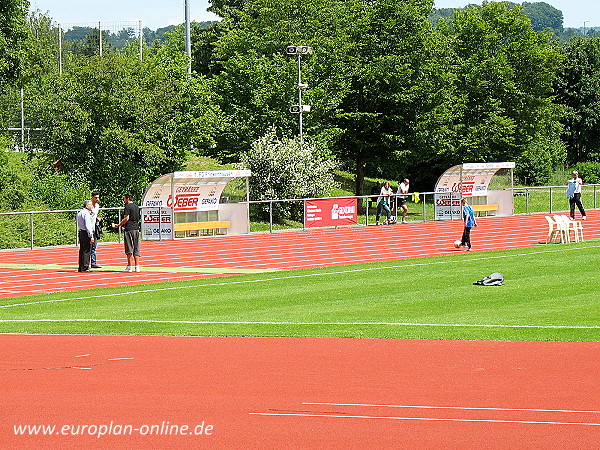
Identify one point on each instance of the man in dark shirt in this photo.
(131, 227)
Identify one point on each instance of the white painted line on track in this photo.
(463, 408)
(432, 419)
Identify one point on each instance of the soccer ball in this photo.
(457, 244)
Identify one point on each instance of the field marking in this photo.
(465, 408)
(289, 277)
(432, 419)
(144, 269)
(249, 322)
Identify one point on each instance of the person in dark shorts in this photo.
(131, 228)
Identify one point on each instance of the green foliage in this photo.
(14, 36)
(543, 16)
(534, 168)
(589, 171)
(578, 89)
(120, 123)
(284, 168)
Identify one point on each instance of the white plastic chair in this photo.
(574, 225)
(553, 230)
(564, 229)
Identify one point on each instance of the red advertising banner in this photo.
(331, 212)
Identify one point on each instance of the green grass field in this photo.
(550, 293)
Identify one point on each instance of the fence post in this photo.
(550, 199)
(31, 229)
(424, 207)
(368, 200)
(304, 215)
(270, 216)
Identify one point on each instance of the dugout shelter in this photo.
(489, 187)
(196, 203)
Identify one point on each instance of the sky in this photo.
(575, 12)
(154, 14)
(160, 13)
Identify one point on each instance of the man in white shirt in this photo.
(574, 195)
(85, 225)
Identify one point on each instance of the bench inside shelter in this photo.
(191, 229)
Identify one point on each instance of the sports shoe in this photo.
(96, 266)
(584, 217)
(404, 221)
(138, 269)
(127, 269)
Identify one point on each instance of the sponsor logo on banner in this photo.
(447, 206)
(331, 212)
(157, 223)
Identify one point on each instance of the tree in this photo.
(14, 35)
(578, 89)
(365, 75)
(503, 90)
(544, 16)
(121, 123)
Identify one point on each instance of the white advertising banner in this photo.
(188, 198)
(157, 223)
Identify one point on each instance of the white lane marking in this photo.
(433, 419)
(465, 408)
(229, 322)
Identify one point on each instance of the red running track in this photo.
(254, 393)
(259, 393)
(219, 256)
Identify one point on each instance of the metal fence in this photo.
(31, 227)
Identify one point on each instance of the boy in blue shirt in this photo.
(469, 218)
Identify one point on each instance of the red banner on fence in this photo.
(331, 212)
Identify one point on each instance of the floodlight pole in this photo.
(300, 108)
(188, 42)
(300, 98)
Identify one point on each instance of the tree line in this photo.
(394, 92)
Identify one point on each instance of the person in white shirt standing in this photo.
(403, 189)
(85, 225)
(574, 195)
(97, 227)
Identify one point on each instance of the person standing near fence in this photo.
(97, 227)
(85, 225)
(383, 203)
(574, 195)
(131, 225)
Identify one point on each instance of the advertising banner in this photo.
(188, 198)
(157, 223)
(447, 206)
(331, 212)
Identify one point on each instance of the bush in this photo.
(589, 172)
(534, 168)
(284, 169)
